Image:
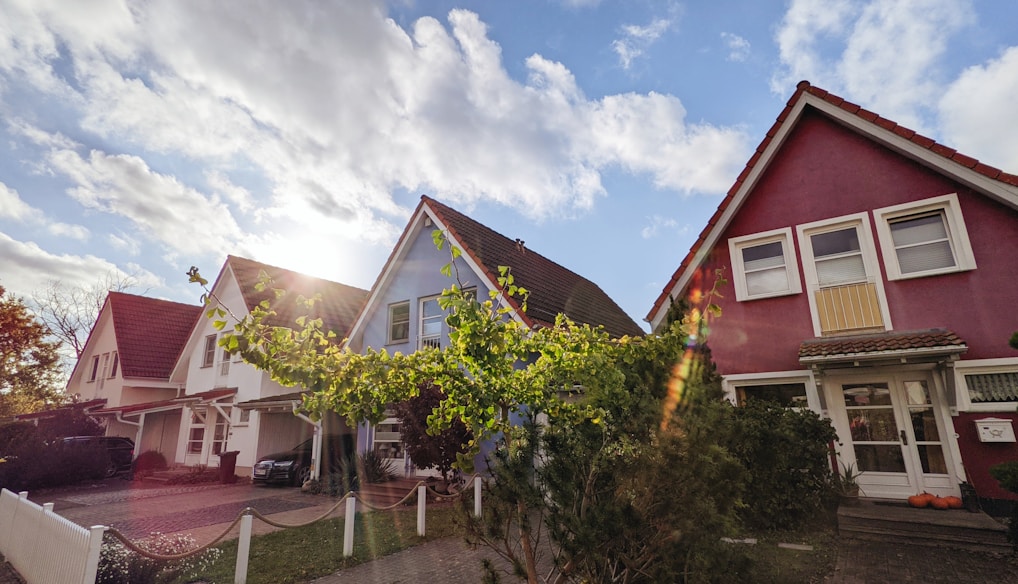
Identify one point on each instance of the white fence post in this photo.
(477, 496)
(422, 501)
(351, 510)
(95, 544)
(243, 549)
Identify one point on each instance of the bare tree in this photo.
(70, 311)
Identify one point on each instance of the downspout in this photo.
(316, 442)
(140, 424)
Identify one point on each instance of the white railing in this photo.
(433, 342)
(44, 547)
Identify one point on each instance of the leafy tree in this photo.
(29, 364)
(428, 449)
(70, 311)
(496, 373)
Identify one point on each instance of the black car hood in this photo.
(284, 456)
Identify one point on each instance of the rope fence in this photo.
(245, 518)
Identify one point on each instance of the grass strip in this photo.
(304, 553)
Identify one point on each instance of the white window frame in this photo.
(389, 339)
(976, 366)
(115, 364)
(420, 320)
(782, 236)
(207, 351)
(95, 369)
(957, 235)
(730, 383)
(869, 257)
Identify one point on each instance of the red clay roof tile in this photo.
(150, 333)
(896, 341)
(338, 307)
(553, 288)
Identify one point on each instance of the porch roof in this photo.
(869, 347)
(166, 404)
(273, 401)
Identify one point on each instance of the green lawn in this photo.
(301, 554)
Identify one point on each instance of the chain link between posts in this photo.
(115, 533)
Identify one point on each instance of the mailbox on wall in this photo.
(995, 430)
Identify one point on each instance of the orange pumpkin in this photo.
(918, 501)
(953, 502)
(939, 503)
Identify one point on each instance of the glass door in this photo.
(891, 429)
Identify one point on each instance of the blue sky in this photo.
(146, 137)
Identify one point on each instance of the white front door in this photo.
(894, 430)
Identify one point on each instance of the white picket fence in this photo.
(44, 547)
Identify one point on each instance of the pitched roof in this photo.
(150, 333)
(553, 288)
(926, 150)
(894, 343)
(338, 307)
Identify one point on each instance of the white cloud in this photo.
(978, 113)
(657, 224)
(13, 207)
(161, 208)
(738, 47)
(27, 268)
(331, 113)
(637, 39)
(883, 54)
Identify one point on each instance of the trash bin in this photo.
(228, 466)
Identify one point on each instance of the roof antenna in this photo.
(519, 245)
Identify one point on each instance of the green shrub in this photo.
(786, 454)
(372, 467)
(1007, 474)
(196, 475)
(149, 461)
(35, 464)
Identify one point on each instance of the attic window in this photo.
(95, 368)
(209, 353)
(399, 322)
(924, 238)
(116, 363)
(764, 265)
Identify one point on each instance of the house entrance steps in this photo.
(896, 522)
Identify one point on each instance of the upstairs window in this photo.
(924, 238)
(209, 354)
(431, 323)
(838, 257)
(399, 322)
(765, 265)
(116, 363)
(95, 369)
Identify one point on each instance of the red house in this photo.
(871, 277)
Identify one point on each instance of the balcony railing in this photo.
(434, 342)
(851, 307)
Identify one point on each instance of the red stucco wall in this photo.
(825, 171)
(980, 456)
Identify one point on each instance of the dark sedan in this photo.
(293, 467)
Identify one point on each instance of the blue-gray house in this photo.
(402, 312)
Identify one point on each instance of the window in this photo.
(839, 261)
(924, 238)
(765, 265)
(116, 363)
(220, 434)
(209, 354)
(243, 417)
(95, 369)
(399, 322)
(224, 363)
(790, 389)
(196, 435)
(431, 324)
(989, 385)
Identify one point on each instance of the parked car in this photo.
(119, 449)
(293, 467)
